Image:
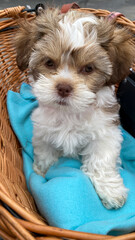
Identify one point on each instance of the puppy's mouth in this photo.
(62, 103)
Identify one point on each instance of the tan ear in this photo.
(119, 44)
(30, 32)
(24, 42)
(122, 54)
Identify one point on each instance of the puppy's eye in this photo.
(50, 63)
(87, 69)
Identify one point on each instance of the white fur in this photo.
(65, 73)
(73, 32)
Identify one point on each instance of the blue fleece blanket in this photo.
(66, 197)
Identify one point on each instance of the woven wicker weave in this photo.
(13, 190)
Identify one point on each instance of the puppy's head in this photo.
(71, 56)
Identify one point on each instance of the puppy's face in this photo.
(71, 56)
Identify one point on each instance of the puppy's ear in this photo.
(25, 38)
(31, 32)
(119, 44)
(122, 54)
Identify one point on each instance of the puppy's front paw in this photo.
(110, 188)
(114, 197)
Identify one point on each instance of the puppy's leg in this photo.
(100, 162)
(44, 156)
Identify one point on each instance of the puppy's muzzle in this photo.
(64, 89)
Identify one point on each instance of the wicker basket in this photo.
(19, 218)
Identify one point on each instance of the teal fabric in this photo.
(66, 196)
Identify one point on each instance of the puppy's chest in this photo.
(67, 134)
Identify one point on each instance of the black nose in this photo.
(64, 89)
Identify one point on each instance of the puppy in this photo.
(74, 60)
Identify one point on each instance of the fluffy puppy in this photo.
(74, 61)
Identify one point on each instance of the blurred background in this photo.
(127, 7)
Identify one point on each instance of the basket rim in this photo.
(13, 13)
